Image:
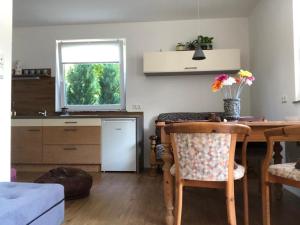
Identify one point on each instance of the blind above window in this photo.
(97, 52)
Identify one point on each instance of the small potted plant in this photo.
(205, 42)
(180, 47)
(192, 45)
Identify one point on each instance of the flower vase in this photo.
(232, 108)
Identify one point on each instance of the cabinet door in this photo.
(26, 144)
(220, 60)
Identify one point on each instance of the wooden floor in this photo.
(131, 199)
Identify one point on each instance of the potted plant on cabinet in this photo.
(205, 42)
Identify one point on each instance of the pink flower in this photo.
(222, 77)
(251, 78)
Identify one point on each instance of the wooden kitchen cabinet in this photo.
(26, 144)
(56, 142)
(72, 141)
(41, 144)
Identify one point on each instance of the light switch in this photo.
(1, 65)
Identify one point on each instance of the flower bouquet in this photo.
(231, 88)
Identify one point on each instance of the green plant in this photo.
(92, 84)
(192, 45)
(180, 44)
(205, 39)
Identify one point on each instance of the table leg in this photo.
(153, 163)
(168, 181)
(277, 160)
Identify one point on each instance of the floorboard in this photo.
(132, 199)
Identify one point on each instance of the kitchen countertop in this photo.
(114, 114)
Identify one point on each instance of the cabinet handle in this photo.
(70, 122)
(70, 149)
(190, 68)
(33, 130)
(70, 129)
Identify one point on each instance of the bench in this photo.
(29, 203)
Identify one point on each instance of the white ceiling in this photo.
(59, 12)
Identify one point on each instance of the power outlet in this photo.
(1, 66)
(136, 107)
(284, 99)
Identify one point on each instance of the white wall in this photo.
(272, 61)
(35, 47)
(5, 83)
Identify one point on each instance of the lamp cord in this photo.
(198, 7)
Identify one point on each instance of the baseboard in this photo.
(45, 168)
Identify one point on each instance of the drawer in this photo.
(27, 154)
(72, 122)
(26, 136)
(71, 154)
(26, 122)
(71, 135)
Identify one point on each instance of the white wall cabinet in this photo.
(180, 62)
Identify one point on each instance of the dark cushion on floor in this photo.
(77, 183)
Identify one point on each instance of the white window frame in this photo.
(296, 24)
(60, 82)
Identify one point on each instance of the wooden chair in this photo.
(285, 173)
(204, 157)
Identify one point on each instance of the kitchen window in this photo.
(90, 75)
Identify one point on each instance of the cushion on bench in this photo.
(285, 170)
(25, 203)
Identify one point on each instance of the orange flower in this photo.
(238, 80)
(217, 85)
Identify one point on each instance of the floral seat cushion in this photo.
(285, 170)
(239, 172)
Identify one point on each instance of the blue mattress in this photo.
(29, 203)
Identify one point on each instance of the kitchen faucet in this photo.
(43, 113)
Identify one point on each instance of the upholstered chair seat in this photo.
(286, 173)
(238, 173)
(286, 170)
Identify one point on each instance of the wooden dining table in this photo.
(257, 135)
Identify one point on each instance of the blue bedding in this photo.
(29, 203)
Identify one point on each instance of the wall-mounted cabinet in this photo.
(180, 62)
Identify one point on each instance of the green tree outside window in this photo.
(92, 84)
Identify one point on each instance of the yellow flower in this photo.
(245, 73)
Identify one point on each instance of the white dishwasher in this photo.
(118, 138)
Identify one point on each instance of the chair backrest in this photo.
(289, 133)
(204, 150)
